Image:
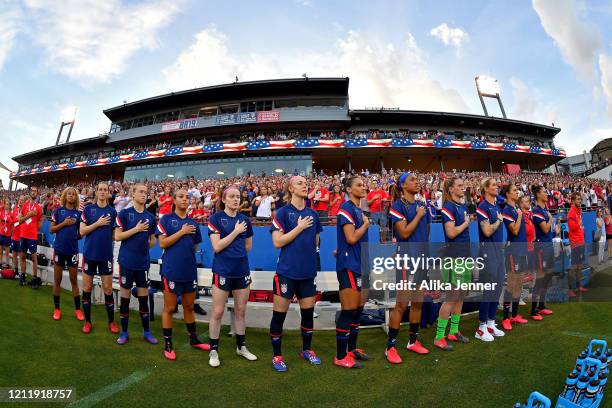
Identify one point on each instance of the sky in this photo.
(552, 58)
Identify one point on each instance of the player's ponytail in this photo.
(446, 186)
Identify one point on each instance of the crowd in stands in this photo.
(292, 135)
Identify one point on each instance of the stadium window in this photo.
(225, 109)
(189, 113)
(207, 111)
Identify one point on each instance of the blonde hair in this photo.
(77, 204)
(484, 184)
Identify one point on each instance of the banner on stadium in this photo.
(247, 117)
(177, 125)
(268, 116)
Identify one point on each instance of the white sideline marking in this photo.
(585, 335)
(111, 389)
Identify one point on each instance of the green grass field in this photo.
(39, 352)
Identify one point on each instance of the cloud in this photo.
(605, 66)
(449, 36)
(93, 40)
(529, 105)
(9, 28)
(382, 74)
(577, 39)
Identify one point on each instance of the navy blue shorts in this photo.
(348, 279)
(15, 246)
(516, 263)
(179, 288)
(5, 241)
(64, 260)
(287, 288)
(28, 245)
(546, 256)
(578, 256)
(127, 278)
(93, 268)
(228, 284)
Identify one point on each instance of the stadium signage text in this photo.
(247, 117)
(177, 125)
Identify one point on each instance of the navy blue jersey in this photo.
(297, 259)
(178, 261)
(67, 239)
(488, 212)
(99, 243)
(225, 263)
(541, 216)
(349, 256)
(134, 251)
(455, 213)
(517, 242)
(402, 210)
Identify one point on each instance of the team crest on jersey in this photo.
(62, 212)
(222, 280)
(292, 217)
(93, 212)
(224, 222)
(74, 259)
(131, 216)
(174, 223)
(284, 288)
(171, 285)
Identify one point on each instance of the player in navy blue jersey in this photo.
(490, 236)
(456, 223)
(65, 226)
(352, 230)
(231, 236)
(543, 224)
(97, 224)
(179, 237)
(135, 228)
(295, 230)
(410, 219)
(516, 255)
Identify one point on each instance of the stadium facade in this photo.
(307, 125)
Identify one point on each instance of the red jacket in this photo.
(576, 228)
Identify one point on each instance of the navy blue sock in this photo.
(109, 302)
(307, 327)
(77, 302)
(276, 331)
(167, 339)
(342, 332)
(414, 332)
(143, 306)
(392, 340)
(124, 313)
(56, 301)
(87, 306)
(214, 344)
(352, 341)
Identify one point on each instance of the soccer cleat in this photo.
(393, 356)
(147, 336)
(536, 317)
(546, 312)
(201, 346)
(582, 289)
(518, 319)
(79, 315)
(347, 362)
(170, 354)
(458, 338)
(112, 327)
(57, 314)
(86, 328)
(22, 279)
(484, 335)
(310, 356)
(442, 344)
(244, 352)
(213, 359)
(35, 283)
(417, 347)
(359, 354)
(278, 364)
(495, 331)
(123, 338)
(507, 324)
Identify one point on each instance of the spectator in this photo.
(265, 204)
(165, 203)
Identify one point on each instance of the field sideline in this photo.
(43, 353)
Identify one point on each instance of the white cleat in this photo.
(495, 331)
(244, 352)
(484, 335)
(213, 359)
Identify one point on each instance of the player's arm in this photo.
(352, 234)
(168, 241)
(55, 227)
(85, 229)
(121, 235)
(404, 228)
(545, 226)
(219, 244)
(512, 224)
(280, 238)
(486, 226)
(248, 244)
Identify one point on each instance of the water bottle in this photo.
(581, 357)
(603, 379)
(580, 388)
(590, 394)
(591, 372)
(518, 405)
(570, 385)
(609, 354)
(604, 363)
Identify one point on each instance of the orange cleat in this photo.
(392, 356)
(57, 314)
(86, 328)
(112, 327)
(507, 324)
(417, 347)
(79, 315)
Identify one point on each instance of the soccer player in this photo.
(15, 237)
(492, 253)
(543, 222)
(30, 220)
(135, 228)
(295, 230)
(65, 226)
(352, 231)
(410, 221)
(576, 239)
(516, 255)
(5, 232)
(456, 224)
(179, 237)
(231, 236)
(97, 224)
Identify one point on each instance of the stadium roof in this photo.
(430, 118)
(92, 142)
(230, 92)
